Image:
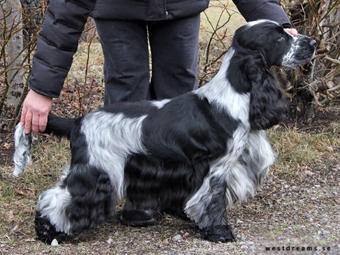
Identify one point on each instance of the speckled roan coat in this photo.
(197, 154)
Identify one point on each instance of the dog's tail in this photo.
(59, 126)
(22, 154)
(23, 142)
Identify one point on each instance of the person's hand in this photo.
(292, 31)
(35, 112)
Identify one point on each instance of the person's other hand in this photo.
(292, 31)
(35, 112)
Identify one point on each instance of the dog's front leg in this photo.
(217, 228)
(207, 208)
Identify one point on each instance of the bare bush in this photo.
(216, 42)
(20, 23)
(316, 85)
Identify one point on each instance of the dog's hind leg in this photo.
(81, 200)
(142, 192)
(135, 216)
(51, 221)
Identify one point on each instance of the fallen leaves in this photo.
(5, 146)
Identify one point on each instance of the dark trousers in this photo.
(174, 53)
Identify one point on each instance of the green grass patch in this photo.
(7, 191)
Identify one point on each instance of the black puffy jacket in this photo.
(65, 20)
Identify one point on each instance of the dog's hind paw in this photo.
(222, 233)
(46, 232)
(137, 218)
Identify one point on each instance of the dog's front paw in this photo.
(46, 232)
(222, 233)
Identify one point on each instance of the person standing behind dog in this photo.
(123, 25)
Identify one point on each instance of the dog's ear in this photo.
(236, 74)
(267, 106)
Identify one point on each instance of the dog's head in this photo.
(274, 44)
(258, 46)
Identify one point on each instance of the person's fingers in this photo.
(35, 123)
(42, 122)
(28, 121)
(35, 111)
(292, 31)
(23, 115)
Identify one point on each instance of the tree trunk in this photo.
(14, 52)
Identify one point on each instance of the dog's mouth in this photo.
(301, 52)
(302, 60)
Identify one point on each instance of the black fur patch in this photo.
(46, 232)
(221, 233)
(78, 145)
(192, 130)
(249, 72)
(93, 198)
(179, 154)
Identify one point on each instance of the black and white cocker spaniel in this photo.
(194, 155)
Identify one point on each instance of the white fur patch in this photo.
(53, 203)
(253, 163)
(22, 150)
(288, 59)
(256, 22)
(220, 93)
(160, 104)
(111, 138)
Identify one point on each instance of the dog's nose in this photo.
(312, 43)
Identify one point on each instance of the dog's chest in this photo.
(237, 144)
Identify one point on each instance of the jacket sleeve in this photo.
(57, 43)
(263, 9)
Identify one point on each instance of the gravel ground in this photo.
(290, 211)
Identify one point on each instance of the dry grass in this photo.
(212, 18)
(300, 151)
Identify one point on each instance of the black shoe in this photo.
(137, 218)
